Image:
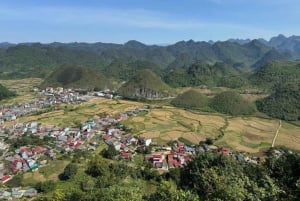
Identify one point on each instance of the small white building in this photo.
(148, 142)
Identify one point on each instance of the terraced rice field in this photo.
(167, 123)
(250, 134)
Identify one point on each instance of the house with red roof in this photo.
(224, 150)
(6, 178)
(126, 155)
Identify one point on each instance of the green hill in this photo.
(275, 73)
(76, 76)
(202, 73)
(191, 99)
(5, 93)
(230, 102)
(147, 85)
(283, 103)
(125, 70)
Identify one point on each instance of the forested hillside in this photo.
(283, 103)
(191, 99)
(230, 102)
(201, 73)
(77, 76)
(145, 85)
(38, 60)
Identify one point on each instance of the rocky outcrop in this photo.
(149, 93)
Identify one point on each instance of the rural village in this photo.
(64, 140)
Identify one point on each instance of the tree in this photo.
(286, 170)
(97, 167)
(209, 141)
(46, 186)
(167, 192)
(218, 177)
(110, 152)
(69, 171)
(58, 195)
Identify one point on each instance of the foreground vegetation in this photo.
(209, 176)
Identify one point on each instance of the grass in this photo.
(54, 168)
(188, 126)
(185, 141)
(255, 146)
(32, 178)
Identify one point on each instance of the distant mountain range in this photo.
(39, 60)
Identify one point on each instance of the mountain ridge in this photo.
(38, 59)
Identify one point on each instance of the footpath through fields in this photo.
(276, 135)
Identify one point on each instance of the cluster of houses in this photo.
(65, 140)
(106, 94)
(13, 111)
(16, 193)
(48, 97)
(74, 95)
(240, 156)
(61, 95)
(26, 158)
(115, 135)
(171, 157)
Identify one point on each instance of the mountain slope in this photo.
(76, 76)
(191, 99)
(38, 60)
(202, 73)
(125, 70)
(283, 103)
(286, 44)
(232, 103)
(145, 85)
(276, 72)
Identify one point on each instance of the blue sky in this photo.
(148, 21)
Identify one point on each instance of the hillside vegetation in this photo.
(5, 93)
(38, 60)
(145, 84)
(275, 73)
(191, 99)
(201, 73)
(122, 70)
(230, 102)
(283, 103)
(76, 76)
